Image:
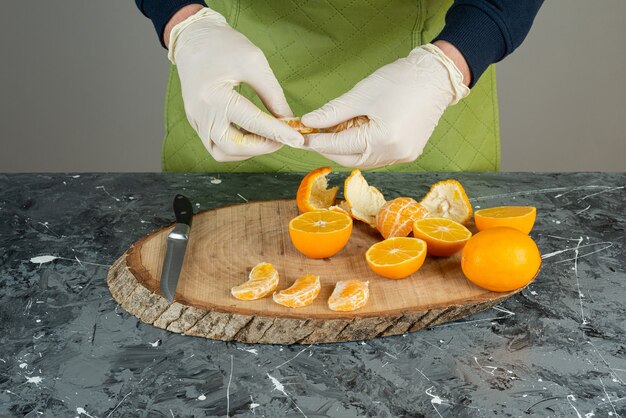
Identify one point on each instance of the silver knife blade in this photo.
(174, 257)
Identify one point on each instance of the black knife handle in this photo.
(183, 210)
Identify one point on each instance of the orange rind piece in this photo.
(447, 199)
(313, 193)
(396, 258)
(521, 218)
(443, 236)
(364, 200)
(395, 218)
(262, 280)
(301, 293)
(349, 295)
(320, 234)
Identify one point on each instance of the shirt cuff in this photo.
(477, 35)
(161, 11)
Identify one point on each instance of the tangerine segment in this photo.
(443, 236)
(500, 259)
(447, 199)
(349, 295)
(297, 124)
(395, 218)
(521, 218)
(262, 281)
(364, 200)
(313, 193)
(320, 234)
(301, 293)
(396, 258)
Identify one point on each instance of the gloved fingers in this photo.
(350, 141)
(241, 145)
(244, 113)
(266, 86)
(350, 161)
(334, 112)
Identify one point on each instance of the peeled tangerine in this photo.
(301, 293)
(395, 218)
(364, 200)
(262, 281)
(297, 124)
(447, 199)
(349, 295)
(500, 259)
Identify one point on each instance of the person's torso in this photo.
(318, 50)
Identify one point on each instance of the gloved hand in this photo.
(212, 59)
(403, 100)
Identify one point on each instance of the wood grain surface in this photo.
(226, 243)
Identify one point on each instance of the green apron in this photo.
(319, 49)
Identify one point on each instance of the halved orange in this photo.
(396, 258)
(301, 293)
(320, 234)
(395, 218)
(443, 236)
(262, 281)
(364, 200)
(349, 295)
(313, 193)
(521, 218)
(447, 199)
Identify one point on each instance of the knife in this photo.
(176, 245)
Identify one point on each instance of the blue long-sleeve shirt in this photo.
(485, 31)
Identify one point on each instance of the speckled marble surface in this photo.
(558, 348)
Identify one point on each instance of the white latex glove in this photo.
(212, 59)
(403, 100)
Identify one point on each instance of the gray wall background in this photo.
(82, 87)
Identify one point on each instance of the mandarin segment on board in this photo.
(447, 199)
(349, 295)
(396, 258)
(313, 193)
(262, 280)
(521, 218)
(364, 200)
(443, 236)
(320, 234)
(301, 293)
(501, 259)
(395, 218)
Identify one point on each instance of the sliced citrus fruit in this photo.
(301, 293)
(262, 281)
(320, 234)
(447, 199)
(349, 295)
(396, 258)
(364, 200)
(313, 193)
(500, 259)
(521, 218)
(297, 124)
(395, 218)
(443, 236)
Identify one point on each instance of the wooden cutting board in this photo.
(226, 243)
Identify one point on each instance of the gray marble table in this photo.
(558, 348)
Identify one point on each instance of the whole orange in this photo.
(500, 259)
